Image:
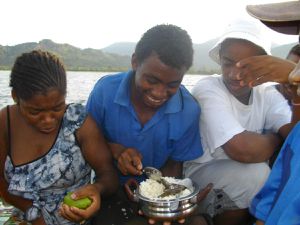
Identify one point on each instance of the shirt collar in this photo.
(173, 105)
(123, 92)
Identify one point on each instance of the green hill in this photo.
(115, 57)
(120, 48)
(74, 58)
(202, 63)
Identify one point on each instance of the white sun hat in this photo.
(250, 30)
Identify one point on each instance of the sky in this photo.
(99, 23)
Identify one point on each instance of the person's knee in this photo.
(257, 175)
(235, 184)
(224, 173)
(251, 180)
(244, 181)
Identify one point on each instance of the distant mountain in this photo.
(74, 58)
(115, 57)
(120, 48)
(202, 63)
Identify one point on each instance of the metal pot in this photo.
(166, 210)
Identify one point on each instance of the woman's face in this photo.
(229, 56)
(44, 111)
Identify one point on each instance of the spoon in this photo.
(170, 188)
(152, 173)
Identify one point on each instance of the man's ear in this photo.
(134, 62)
(14, 96)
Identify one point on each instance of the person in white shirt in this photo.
(241, 127)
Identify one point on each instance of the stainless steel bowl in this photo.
(168, 209)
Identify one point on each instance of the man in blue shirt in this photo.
(147, 116)
(278, 202)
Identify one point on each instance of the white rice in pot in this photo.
(152, 189)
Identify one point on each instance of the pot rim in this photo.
(157, 200)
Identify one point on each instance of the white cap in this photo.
(249, 30)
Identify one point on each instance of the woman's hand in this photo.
(78, 215)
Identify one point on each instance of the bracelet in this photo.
(295, 103)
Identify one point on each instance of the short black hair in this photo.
(229, 41)
(37, 72)
(172, 44)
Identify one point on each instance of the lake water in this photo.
(80, 85)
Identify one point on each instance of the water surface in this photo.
(79, 86)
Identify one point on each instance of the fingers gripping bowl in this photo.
(153, 203)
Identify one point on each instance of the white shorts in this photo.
(234, 183)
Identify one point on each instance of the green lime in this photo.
(82, 203)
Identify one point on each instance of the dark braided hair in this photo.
(36, 72)
(172, 44)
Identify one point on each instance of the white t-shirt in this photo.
(223, 116)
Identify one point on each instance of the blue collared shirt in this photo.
(278, 202)
(172, 132)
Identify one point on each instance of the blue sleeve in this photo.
(264, 201)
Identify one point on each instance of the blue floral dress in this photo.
(62, 169)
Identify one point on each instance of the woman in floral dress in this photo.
(48, 148)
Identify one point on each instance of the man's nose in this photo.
(160, 91)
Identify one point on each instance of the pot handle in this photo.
(130, 188)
